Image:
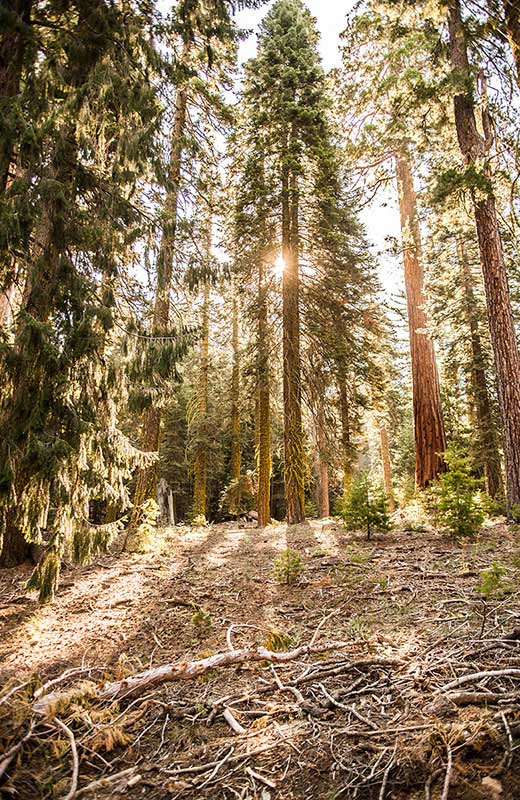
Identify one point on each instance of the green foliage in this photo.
(201, 620)
(143, 538)
(238, 498)
(492, 585)
(365, 506)
(456, 496)
(288, 567)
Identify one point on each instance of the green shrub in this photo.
(456, 495)
(288, 567)
(365, 506)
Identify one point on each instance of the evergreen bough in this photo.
(458, 505)
(365, 506)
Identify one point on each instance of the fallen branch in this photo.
(183, 671)
(479, 676)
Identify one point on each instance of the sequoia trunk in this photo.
(263, 425)
(430, 437)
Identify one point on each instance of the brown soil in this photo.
(355, 724)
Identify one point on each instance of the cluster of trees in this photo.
(189, 308)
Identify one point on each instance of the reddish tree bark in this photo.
(430, 437)
(474, 149)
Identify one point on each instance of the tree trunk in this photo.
(346, 439)
(235, 394)
(430, 438)
(263, 432)
(15, 17)
(201, 454)
(294, 466)
(324, 505)
(503, 337)
(151, 427)
(488, 452)
(512, 17)
(387, 468)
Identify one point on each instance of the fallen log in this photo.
(180, 671)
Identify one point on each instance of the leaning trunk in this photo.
(430, 438)
(294, 467)
(503, 337)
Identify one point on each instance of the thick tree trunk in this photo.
(503, 337)
(430, 437)
(512, 17)
(294, 466)
(346, 437)
(15, 18)
(488, 454)
(151, 427)
(235, 393)
(200, 470)
(263, 432)
(387, 468)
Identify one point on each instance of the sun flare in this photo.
(279, 266)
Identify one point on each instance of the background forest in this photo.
(194, 323)
(259, 400)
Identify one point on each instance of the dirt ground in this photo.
(375, 717)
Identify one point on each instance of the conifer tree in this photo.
(381, 67)
(475, 149)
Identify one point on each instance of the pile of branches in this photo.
(372, 723)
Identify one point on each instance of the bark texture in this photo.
(430, 437)
(489, 454)
(474, 149)
(387, 468)
(263, 417)
(294, 466)
(235, 393)
(324, 503)
(200, 469)
(512, 17)
(346, 437)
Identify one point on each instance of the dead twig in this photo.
(75, 759)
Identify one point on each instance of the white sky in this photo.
(380, 221)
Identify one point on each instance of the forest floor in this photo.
(374, 717)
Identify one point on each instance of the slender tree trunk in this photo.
(346, 438)
(200, 470)
(503, 337)
(387, 468)
(512, 17)
(489, 454)
(151, 426)
(263, 435)
(294, 467)
(15, 18)
(430, 438)
(235, 395)
(324, 505)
